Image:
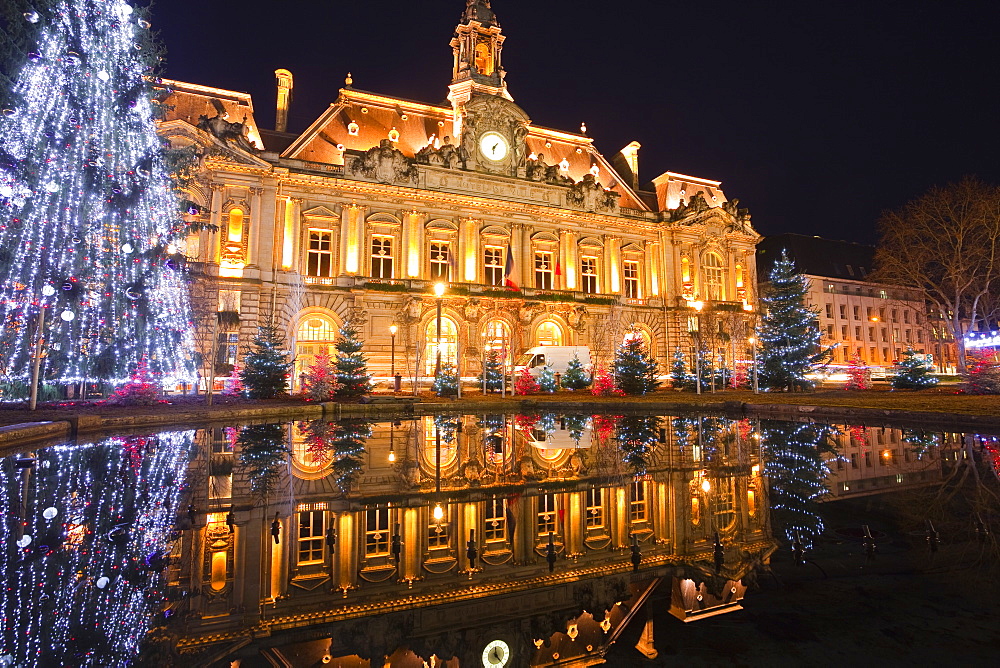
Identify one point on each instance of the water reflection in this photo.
(421, 540)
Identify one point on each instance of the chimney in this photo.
(627, 164)
(284, 97)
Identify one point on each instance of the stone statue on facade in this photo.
(230, 133)
(537, 168)
(386, 164)
(589, 195)
(445, 156)
(472, 309)
(576, 317)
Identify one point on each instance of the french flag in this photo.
(508, 270)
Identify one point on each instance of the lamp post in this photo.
(397, 380)
(753, 369)
(698, 305)
(439, 293)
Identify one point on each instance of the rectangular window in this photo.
(588, 274)
(885, 355)
(228, 351)
(630, 269)
(381, 257)
(319, 260)
(377, 532)
(869, 311)
(312, 529)
(843, 332)
(493, 265)
(495, 519)
(440, 261)
(829, 310)
(906, 317)
(920, 336)
(843, 311)
(908, 335)
(595, 508)
(857, 332)
(437, 534)
(637, 501)
(868, 459)
(895, 315)
(829, 331)
(871, 333)
(857, 313)
(883, 294)
(854, 460)
(885, 334)
(543, 270)
(546, 522)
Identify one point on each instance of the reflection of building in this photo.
(341, 557)
(873, 460)
(381, 197)
(875, 322)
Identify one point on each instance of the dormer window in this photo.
(353, 128)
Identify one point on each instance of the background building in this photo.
(540, 238)
(874, 321)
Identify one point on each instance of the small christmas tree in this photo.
(446, 382)
(575, 378)
(234, 386)
(740, 378)
(789, 331)
(604, 385)
(321, 378)
(526, 383)
(859, 376)
(680, 379)
(142, 389)
(983, 376)
(352, 366)
(265, 365)
(547, 380)
(635, 370)
(912, 373)
(493, 369)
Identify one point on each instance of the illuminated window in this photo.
(234, 228)
(484, 59)
(630, 271)
(497, 335)
(381, 257)
(493, 265)
(440, 253)
(714, 275)
(595, 508)
(495, 519)
(315, 333)
(588, 274)
(543, 270)
(377, 532)
(437, 532)
(548, 334)
(228, 351)
(637, 501)
(319, 260)
(448, 343)
(546, 520)
(312, 528)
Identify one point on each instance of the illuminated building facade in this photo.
(540, 238)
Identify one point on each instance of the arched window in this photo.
(549, 334)
(496, 335)
(713, 274)
(642, 335)
(315, 333)
(484, 60)
(448, 343)
(235, 228)
(309, 459)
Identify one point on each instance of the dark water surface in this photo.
(501, 540)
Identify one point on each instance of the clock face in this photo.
(493, 145)
(496, 654)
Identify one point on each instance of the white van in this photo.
(557, 357)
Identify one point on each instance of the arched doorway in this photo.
(448, 343)
(641, 334)
(316, 333)
(549, 333)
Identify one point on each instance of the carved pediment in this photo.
(383, 163)
(321, 212)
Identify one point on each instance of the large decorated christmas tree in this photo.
(90, 229)
(789, 334)
(634, 369)
(353, 379)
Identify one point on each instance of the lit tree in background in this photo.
(352, 366)
(265, 366)
(262, 456)
(679, 376)
(796, 474)
(788, 332)
(446, 382)
(858, 375)
(634, 369)
(912, 373)
(983, 375)
(89, 220)
(84, 541)
(321, 378)
(493, 368)
(575, 378)
(547, 380)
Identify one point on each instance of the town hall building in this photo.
(538, 238)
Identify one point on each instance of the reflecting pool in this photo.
(452, 540)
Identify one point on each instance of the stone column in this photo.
(468, 260)
(612, 247)
(515, 251)
(255, 221)
(653, 273)
(527, 258)
(215, 218)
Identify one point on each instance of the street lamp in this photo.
(698, 305)
(753, 352)
(439, 293)
(396, 379)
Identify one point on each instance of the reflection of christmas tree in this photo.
(796, 473)
(637, 436)
(347, 442)
(576, 424)
(90, 220)
(262, 456)
(84, 546)
(921, 441)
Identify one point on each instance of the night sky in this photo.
(816, 115)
